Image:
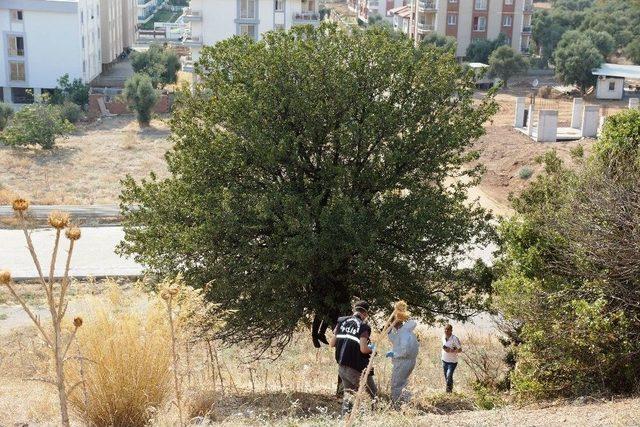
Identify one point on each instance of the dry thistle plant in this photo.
(191, 319)
(55, 338)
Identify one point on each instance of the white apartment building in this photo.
(41, 40)
(129, 22)
(118, 24)
(146, 8)
(365, 9)
(215, 20)
(467, 20)
(111, 29)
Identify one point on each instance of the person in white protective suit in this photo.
(403, 356)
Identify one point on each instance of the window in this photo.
(612, 86)
(481, 4)
(16, 15)
(16, 45)
(248, 30)
(278, 5)
(452, 19)
(278, 27)
(479, 23)
(453, 1)
(248, 9)
(17, 73)
(21, 95)
(507, 20)
(508, 2)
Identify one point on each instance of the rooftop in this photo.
(617, 70)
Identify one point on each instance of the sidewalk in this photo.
(94, 254)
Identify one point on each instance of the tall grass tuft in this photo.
(126, 359)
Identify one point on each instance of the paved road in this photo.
(94, 254)
(76, 212)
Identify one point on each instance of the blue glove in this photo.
(390, 354)
(372, 347)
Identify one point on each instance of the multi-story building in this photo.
(365, 9)
(467, 20)
(111, 29)
(41, 40)
(146, 8)
(129, 22)
(215, 20)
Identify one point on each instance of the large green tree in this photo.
(575, 61)
(505, 62)
(312, 167)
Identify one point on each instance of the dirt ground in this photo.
(505, 151)
(86, 168)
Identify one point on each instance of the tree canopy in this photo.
(312, 167)
(141, 96)
(505, 62)
(479, 51)
(158, 62)
(576, 59)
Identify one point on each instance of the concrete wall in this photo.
(116, 106)
(603, 91)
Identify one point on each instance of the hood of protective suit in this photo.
(405, 343)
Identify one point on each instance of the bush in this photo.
(5, 114)
(160, 63)
(71, 112)
(480, 50)
(37, 124)
(505, 62)
(129, 370)
(632, 51)
(74, 91)
(142, 97)
(525, 172)
(573, 285)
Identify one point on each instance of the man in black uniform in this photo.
(351, 341)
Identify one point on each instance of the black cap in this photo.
(361, 305)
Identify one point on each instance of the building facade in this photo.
(467, 21)
(42, 40)
(365, 9)
(111, 29)
(215, 20)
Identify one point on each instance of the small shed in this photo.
(611, 78)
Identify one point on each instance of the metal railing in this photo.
(306, 16)
(423, 26)
(427, 5)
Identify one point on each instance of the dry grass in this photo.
(86, 168)
(124, 363)
(296, 389)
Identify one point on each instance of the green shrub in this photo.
(569, 271)
(160, 63)
(142, 97)
(36, 124)
(525, 172)
(5, 114)
(71, 112)
(74, 91)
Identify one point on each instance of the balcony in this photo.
(528, 7)
(424, 27)
(306, 18)
(526, 29)
(192, 41)
(191, 15)
(427, 5)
